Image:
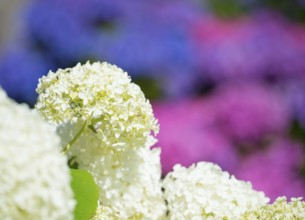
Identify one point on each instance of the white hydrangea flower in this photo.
(3, 97)
(109, 123)
(104, 213)
(129, 180)
(35, 179)
(280, 210)
(206, 192)
(107, 213)
(103, 98)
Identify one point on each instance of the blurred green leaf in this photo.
(292, 9)
(149, 86)
(86, 194)
(297, 132)
(227, 8)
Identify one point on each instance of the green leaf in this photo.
(297, 132)
(86, 194)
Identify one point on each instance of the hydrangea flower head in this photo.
(281, 161)
(204, 191)
(245, 116)
(190, 121)
(101, 96)
(280, 210)
(35, 180)
(109, 122)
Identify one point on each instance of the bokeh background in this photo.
(226, 77)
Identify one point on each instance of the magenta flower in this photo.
(276, 170)
(249, 112)
(186, 136)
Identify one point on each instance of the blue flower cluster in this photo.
(148, 38)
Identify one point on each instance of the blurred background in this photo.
(226, 77)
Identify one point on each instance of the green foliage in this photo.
(291, 9)
(297, 132)
(86, 194)
(149, 86)
(227, 8)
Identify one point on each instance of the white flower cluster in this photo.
(35, 180)
(206, 192)
(108, 122)
(102, 96)
(130, 183)
(129, 180)
(279, 210)
(104, 213)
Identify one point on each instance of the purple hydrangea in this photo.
(58, 35)
(156, 46)
(253, 47)
(293, 91)
(113, 30)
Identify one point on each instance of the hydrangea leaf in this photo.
(86, 194)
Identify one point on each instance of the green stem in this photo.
(79, 133)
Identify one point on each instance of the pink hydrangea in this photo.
(276, 170)
(248, 113)
(186, 136)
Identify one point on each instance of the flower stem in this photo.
(79, 133)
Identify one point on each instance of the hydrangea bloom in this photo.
(129, 180)
(101, 97)
(46, 19)
(95, 24)
(253, 47)
(186, 136)
(205, 191)
(106, 30)
(282, 162)
(280, 210)
(35, 180)
(20, 80)
(243, 115)
(96, 106)
(293, 91)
